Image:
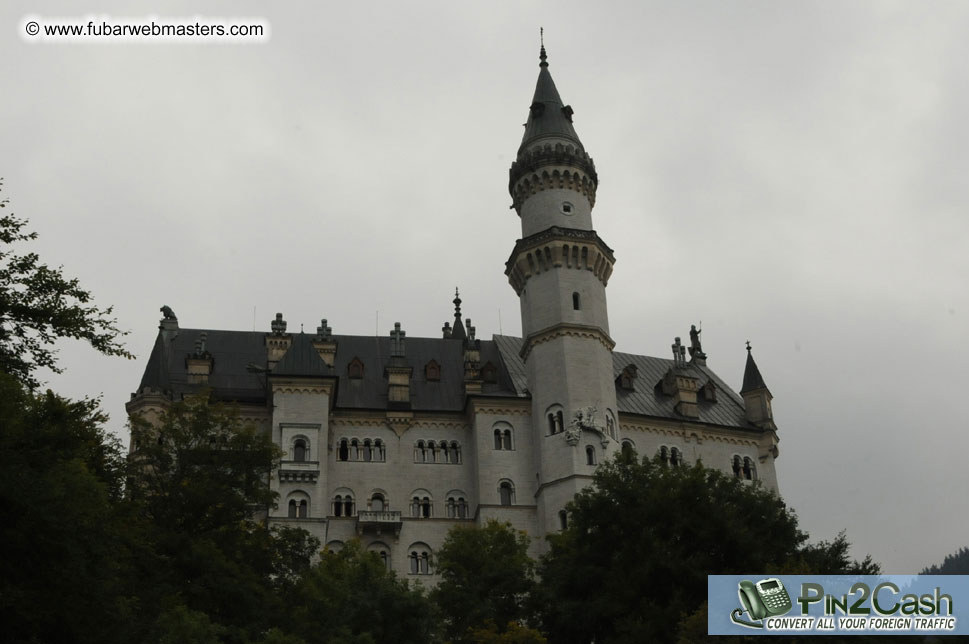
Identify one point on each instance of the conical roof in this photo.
(752, 378)
(548, 116)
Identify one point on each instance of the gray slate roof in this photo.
(234, 351)
(549, 119)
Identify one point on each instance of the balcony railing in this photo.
(299, 471)
(380, 521)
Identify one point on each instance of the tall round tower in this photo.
(560, 269)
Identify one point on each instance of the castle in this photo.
(395, 439)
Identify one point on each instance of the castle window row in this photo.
(421, 504)
(367, 450)
(671, 456)
(437, 452)
(744, 468)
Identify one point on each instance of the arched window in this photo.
(556, 419)
(676, 457)
(343, 505)
(354, 449)
(737, 467)
(380, 453)
(421, 504)
(506, 439)
(628, 449)
(456, 505)
(420, 453)
(367, 450)
(377, 502)
(299, 450)
(563, 520)
(445, 454)
(749, 472)
(344, 452)
(382, 551)
(497, 439)
(298, 505)
(664, 455)
(575, 301)
(419, 555)
(506, 493)
(456, 452)
(590, 455)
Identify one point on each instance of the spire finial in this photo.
(748, 346)
(541, 55)
(457, 303)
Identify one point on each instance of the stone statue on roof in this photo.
(168, 312)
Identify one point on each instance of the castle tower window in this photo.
(367, 450)
(575, 301)
(456, 452)
(506, 439)
(303, 509)
(590, 455)
(563, 520)
(292, 509)
(664, 455)
(299, 450)
(497, 439)
(344, 452)
(445, 455)
(506, 493)
(377, 502)
(737, 467)
(380, 453)
(749, 472)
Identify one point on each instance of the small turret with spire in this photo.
(757, 397)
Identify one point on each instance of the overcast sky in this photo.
(789, 173)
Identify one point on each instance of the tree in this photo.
(486, 578)
(65, 551)
(350, 597)
(200, 482)
(38, 305)
(642, 540)
(954, 564)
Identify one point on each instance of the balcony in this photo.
(379, 521)
(299, 471)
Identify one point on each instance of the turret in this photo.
(757, 396)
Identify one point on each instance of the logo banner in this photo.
(838, 604)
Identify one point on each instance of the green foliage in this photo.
(954, 564)
(38, 305)
(513, 633)
(62, 537)
(201, 469)
(486, 578)
(641, 542)
(350, 597)
(200, 481)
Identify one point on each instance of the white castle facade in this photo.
(394, 440)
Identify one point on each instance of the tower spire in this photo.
(458, 330)
(541, 55)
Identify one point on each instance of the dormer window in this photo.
(489, 373)
(355, 369)
(432, 371)
(627, 379)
